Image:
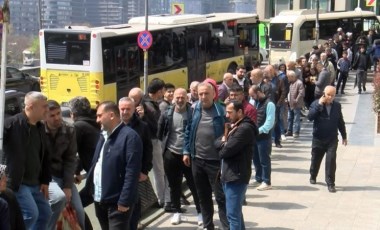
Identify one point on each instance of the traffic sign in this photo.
(144, 40)
(178, 8)
(371, 2)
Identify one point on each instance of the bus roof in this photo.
(161, 22)
(290, 16)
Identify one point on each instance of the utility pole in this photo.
(317, 24)
(146, 52)
(5, 13)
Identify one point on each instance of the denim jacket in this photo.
(218, 123)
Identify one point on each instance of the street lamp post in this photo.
(317, 24)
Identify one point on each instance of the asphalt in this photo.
(294, 203)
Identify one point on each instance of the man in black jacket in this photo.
(171, 131)
(236, 155)
(28, 160)
(129, 116)
(328, 119)
(362, 62)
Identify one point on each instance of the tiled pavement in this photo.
(295, 204)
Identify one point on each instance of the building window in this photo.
(323, 4)
(281, 5)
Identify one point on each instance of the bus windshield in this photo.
(281, 31)
(67, 48)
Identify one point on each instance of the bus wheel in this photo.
(232, 67)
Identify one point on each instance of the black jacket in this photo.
(356, 62)
(142, 129)
(16, 135)
(121, 167)
(87, 133)
(326, 126)
(236, 153)
(165, 124)
(152, 113)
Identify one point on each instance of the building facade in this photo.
(270, 8)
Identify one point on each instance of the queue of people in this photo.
(211, 136)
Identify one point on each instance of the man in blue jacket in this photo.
(115, 169)
(206, 126)
(328, 119)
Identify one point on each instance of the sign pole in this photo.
(5, 13)
(317, 24)
(146, 52)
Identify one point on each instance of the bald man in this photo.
(257, 78)
(326, 113)
(228, 81)
(171, 131)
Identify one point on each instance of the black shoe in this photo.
(313, 181)
(342, 92)
(288, 134)
(184, 201)
(331, 188)
(278, 145)
(364, 89)
(359, 92)
(245, 202)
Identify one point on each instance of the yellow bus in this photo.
(104, 63)
(292, 33)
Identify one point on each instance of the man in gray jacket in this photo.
(323, 80)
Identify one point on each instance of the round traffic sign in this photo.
(144, 39)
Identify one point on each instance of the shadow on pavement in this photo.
(290, 170)
(277, 205)
(358, 188)
(289, 158)
(296, 188)
(249, 196)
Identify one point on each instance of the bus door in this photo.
(196, 54)
(127, 68)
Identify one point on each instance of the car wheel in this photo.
(36, 87)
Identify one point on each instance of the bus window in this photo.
(307, 31)
(277, 31)
(327, 28)
(66, 48)
(369, 23)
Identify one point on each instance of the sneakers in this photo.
(255, 183)
(283, 138)
(296, 135)
(278, 145)
(313, 181)
(176, 219)
(264, 186)
(200, 219)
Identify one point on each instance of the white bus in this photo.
(292, 33)
(104, 63)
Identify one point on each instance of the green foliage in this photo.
(376, 92)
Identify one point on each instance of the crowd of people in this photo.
(210, 136)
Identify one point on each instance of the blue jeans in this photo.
(235, 194)
(4, 213)
(294, 118)
(34, 207)
(261, 160)
(57, 200)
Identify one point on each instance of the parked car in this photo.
(14, 102)
(17, 80)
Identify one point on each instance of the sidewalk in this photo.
(295, 204)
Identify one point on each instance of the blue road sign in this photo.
(144, 40)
